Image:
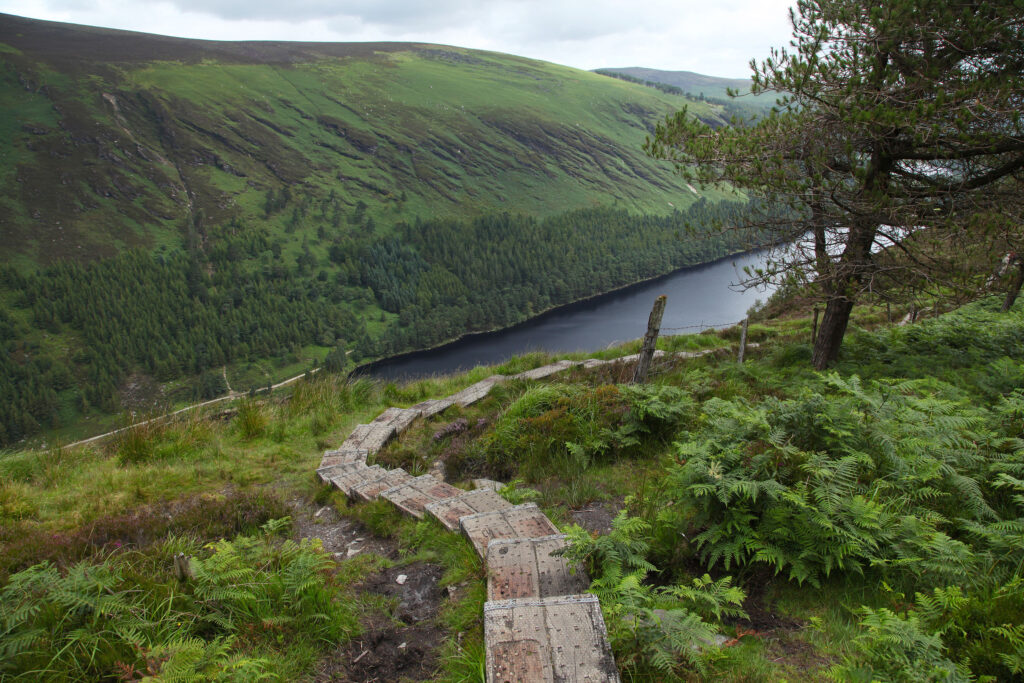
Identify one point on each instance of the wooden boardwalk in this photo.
(539, 625)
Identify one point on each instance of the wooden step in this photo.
(372, 488)
(325, 473)
(541, 372)
(433, 406)
(412, 497)
(547, 640)
(370, 438)
(343, 456)
(526, 568)
(450, 510)
(475, 392)
(346, 481)
(519, 521)
(398, 418)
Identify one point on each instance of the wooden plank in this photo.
(342, 456)
(346, 480)
(412, 497)
(398, 418)
(547, 640)
(526, 568)
(475, 392)
(519, 521)
(371, 489)
(325, 473)
(433, 406)
(541, 372)
(450, 510)
(370, 437)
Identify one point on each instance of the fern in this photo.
(659, 629)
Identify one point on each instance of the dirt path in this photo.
(227, 397)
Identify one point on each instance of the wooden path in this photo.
(539, 625)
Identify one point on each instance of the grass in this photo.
(475, 118)
(226, 475)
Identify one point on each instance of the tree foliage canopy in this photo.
(890, 119)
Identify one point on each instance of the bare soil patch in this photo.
(340, 536)
(398, 647)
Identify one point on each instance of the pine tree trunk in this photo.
(830, 334)
(1015, 286)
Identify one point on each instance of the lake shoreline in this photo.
(368, 369)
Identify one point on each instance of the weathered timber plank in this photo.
(519, 521)
(433, 406)
(398, 418)
(526, 568)
(343, 456)
(370, 438)
(450, 510)
(371, 489)
(325, 473)
(346, 480)
(412, 497)
(541, 372)
(547, 640)
(475, 392)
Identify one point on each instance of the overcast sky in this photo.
(715, 37)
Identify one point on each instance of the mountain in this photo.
(183, 218)
(112, 139)
(698, 85)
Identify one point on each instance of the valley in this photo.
(173, 208)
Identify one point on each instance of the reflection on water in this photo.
(697, 297)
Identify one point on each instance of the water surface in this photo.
(698, 297)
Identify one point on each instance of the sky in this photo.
(714, 37)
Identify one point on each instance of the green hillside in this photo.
(186, 218)
(755, 521)
(113, 139)
(699, 86)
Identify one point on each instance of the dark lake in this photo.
(697, 297)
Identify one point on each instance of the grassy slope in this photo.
(697, 84)
(795, 632)
(114, 139)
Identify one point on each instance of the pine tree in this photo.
(892, 118)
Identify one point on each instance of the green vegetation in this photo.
(194, 219)
(761, 521)
(77, 334)
(134, 141)
(863, 524)
(893, 156)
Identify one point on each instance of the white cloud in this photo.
(716, 38)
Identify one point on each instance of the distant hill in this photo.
(111, 139)
(179, 216)
(697, 84)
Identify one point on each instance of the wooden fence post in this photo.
(650, 339)
(743, 339)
